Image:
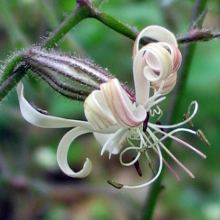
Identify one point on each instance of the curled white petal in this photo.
(41, 120)
(158, 61)
(103, 138)
(152, 63)
(162, 60)
(62, 153)
(155, 177)
(157, 33)
(142, 86)
(114, 143)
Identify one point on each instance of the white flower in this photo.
(118, 123)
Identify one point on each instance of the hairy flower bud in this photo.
(73, 77)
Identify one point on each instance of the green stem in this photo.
(12, 81)
(85, 9)
(14, 61)
(51, 18)
(115, 24)
(81, 11)
(188, 54)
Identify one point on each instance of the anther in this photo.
(137, 167)
(202, 137)
(159, 123)
(145, 123)
(115, 184)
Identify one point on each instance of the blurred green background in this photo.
(31, 184)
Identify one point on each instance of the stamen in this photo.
(135, 159)
(195, 104)
(171, 155)
(155, 177)
(154, 102)
(115, 184)
(156, 111)
(171, 170)
(165, 162)
(138, 168)
(150, 164)
(145, 123)
(166, 135)
(202, 137)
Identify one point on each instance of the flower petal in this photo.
(124, 111)
(142, 86)
(62, 153)
(151, 64)
(114, 143)
(162, 59)
(157, 33)
(97, 111)
(158, 60)
(41, 120)
(169, 84)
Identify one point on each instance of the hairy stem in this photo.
(10, 66)
(52, 20)
(115, 24)
(188, 54)
(81, 11)
(85, 9)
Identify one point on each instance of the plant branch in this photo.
(194, 34)
(80, 12)
(85, 9)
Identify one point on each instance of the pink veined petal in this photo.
(158, 62)
(62, 153)
(169, 83)
(175, 54)
(157, 33)
(151, 64)
(97, 112)
(36, 118)
(124, 111)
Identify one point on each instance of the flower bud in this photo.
(73, 77)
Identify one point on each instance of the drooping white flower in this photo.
(116, 119)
